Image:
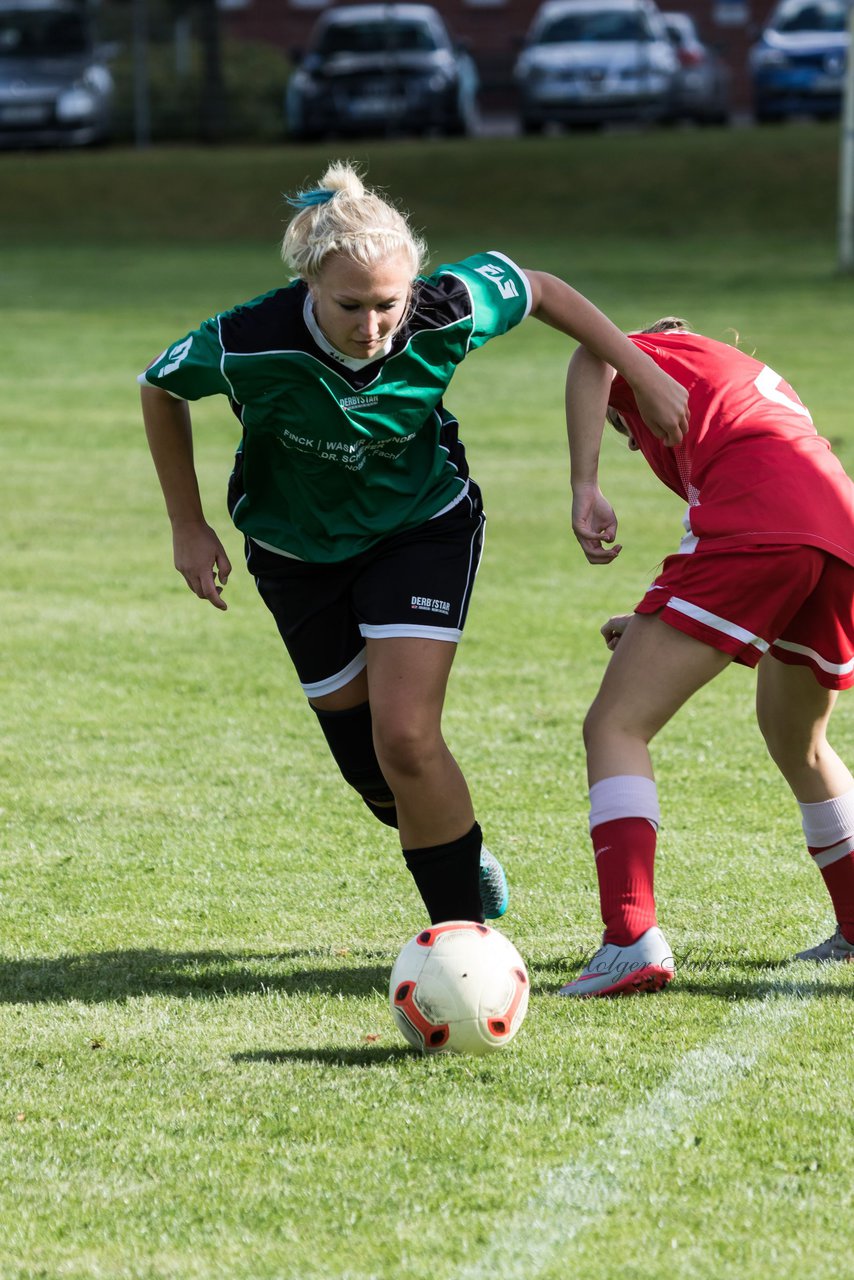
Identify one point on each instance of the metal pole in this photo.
(141, 100)
(846, 158)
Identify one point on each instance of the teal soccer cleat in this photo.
(494, 891)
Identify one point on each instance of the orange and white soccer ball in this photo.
(459, 987)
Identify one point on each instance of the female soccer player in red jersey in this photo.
(764, 576)
(362, 525)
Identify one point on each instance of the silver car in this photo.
(588, 62)
(703, 83)
(54, 87)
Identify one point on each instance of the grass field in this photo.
(199, 1079)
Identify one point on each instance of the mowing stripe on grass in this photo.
(624, 1162)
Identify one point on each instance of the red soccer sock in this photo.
(836, 864)
(624, 849)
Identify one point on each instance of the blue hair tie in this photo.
(308, 199)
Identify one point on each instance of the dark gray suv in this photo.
(381, 68)
(54, 88)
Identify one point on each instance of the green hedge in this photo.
(254, 77)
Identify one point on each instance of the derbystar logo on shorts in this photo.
(429, 605)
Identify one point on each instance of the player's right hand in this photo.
(201, 558)
(594, 523)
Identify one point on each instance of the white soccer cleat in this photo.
(832, 949)
(645, 965)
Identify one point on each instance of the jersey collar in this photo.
(349, 362)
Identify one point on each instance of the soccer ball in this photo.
(459, 987)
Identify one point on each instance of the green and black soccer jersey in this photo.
(338, 453)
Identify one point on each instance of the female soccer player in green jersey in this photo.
(362, 526)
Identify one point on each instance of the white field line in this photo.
(625, 1161)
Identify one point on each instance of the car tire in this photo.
(714, 118)
(305, 135)
(464, 124)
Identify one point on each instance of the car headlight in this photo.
(302, 82)
(661, 59)
(99, 80)
(76, 103)
(438, 81)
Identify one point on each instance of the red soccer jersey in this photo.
(752, 467)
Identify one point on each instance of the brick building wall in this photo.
(494, 32)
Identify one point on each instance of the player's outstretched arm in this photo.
(199, 555)
(594, 523)
(662, 401)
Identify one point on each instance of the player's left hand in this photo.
(594, 523)
(614, 628)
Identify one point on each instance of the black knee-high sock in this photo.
(448, 877)
(349, 735)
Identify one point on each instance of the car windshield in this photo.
(811, 16)
(41, 33)
(603, 25)
(371, 37)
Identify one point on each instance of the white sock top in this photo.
(828, 821)
(625, 796)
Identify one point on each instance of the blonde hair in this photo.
(667, 324)
(342, 215)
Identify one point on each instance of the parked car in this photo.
(382, 68)
(797, 66)
(55, 89)
(591, 61)
(703, 81)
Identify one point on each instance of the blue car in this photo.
(797, 67)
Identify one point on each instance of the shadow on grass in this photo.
(367, 1056)
(209, 975)
(731, 987)
(198, 975)
(721, 977)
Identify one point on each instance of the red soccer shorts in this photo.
(796, 602)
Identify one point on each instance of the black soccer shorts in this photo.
(414, 583)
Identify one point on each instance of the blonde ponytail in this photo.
(342, 215)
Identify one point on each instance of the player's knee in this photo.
(611, 725)
(775, 741)
(597, 724)
(588, 729)
(780, 734)
(405, 750)
(790, 750)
